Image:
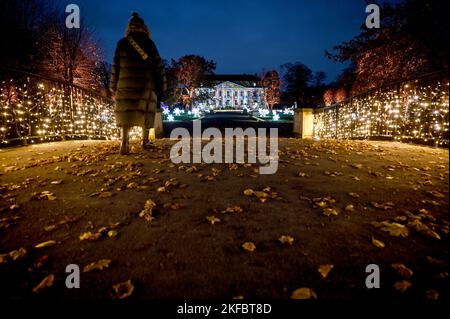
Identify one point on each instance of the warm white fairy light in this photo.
(415, 111)
(33, 109)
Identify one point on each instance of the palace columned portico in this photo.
(232, 91)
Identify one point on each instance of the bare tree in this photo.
(272, 87)
(74, 55)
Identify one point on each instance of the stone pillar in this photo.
(159, 129)
(304, 122)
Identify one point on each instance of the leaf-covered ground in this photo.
(139, 226)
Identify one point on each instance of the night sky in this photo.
(241, 36)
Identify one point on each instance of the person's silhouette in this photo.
(137, 81)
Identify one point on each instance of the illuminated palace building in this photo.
(231, 92)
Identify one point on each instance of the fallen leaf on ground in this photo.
(378, 243)
(384, 206)
(436, 262)
(45, 283)
(173, 206)
(330, 211)
(50, 228)
(14, 255)
(161, 189)
(146, 215)
(402, 285)
(324, 270)
(249, 246)
(436, 194)
(48, 243)
(403, 270)
(90, 236)
(395, 229)
(349, 208)
(105, 195)
(432, 294)
(304, 293)
(44, 195)
(285, 239)
(148, 210)
(123, 290)
(213, 219)
(40, 262)
(98, 265)
(112, 233)
(234, 209)
(423, 229)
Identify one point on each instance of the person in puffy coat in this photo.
(137, 81)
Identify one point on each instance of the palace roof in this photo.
(246, 80)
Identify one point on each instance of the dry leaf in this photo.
(349, 208)
(147, 215)
(90, 236)
(161, 189)
(149, 204)
(324, 270)
(432, 294)
(56, 182)
(402, 285)
(395, 229)
(173, 206)
(40, 262)
(123, 290)
(14, 255)
(304, 293)
(384, 206)
(48, 243)
(234, 209)
(436, 194)
(4, 258)
(105, 195)
(98, 265)
(45, 283)
(330, 211)
(213, 219)
(378, 243)
(403, 270)
(249, 246)
(286, 240)
(436, 262)
(132, 185)
(354, 195)
(50, 228)
(147, 212)
(248, 192)
(112, 233)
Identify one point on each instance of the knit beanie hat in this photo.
(136, 24)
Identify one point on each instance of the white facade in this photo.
(232, 95)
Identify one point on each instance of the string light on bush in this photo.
(32, 109)
(416, 111)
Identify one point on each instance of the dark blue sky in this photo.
(241, 36)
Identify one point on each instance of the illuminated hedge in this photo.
(410, 111)
(34, 109)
